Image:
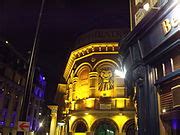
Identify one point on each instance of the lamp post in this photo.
(31, 70)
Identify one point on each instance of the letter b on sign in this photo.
(166, 24)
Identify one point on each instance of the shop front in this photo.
(151, 56)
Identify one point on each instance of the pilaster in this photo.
(75, 79)
(93, 78)
(54, 109)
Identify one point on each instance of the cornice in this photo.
(88, 50)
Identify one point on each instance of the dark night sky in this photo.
(62, 22)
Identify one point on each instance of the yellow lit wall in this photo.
(90, 81)
(121, 120)
(90, 102)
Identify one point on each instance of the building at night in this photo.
(95, 98)
(151, 56)
(37, 103)
(13, 71)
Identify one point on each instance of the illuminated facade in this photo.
(95, 97)
(150, 54)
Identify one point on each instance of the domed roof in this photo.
(100, 36)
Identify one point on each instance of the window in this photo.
(15, 106)
(176, 62)
(168, 67)
(159, 71)
(6, 102)
(9, 73)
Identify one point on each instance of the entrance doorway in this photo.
(104, 128)
(80, 128)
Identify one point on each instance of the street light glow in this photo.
(7, 42)
(61, 124)
(177, 11)
(120, 73)
(164, 110)
(146, 7)
(40, 124)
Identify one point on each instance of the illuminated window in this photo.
(82, 89)
(83, 76)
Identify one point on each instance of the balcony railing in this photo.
(97, 104)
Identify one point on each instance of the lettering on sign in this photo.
(105, 106)
(172, 22)
(138, 1)
(168, 24)
(140, 14)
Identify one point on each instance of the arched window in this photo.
(83, 76)
(82, 87)
(129, 127)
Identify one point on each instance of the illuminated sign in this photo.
(139, 9)
(140, 14)
(100, 35)
(162, 30)
(105, 106)
(168, 24)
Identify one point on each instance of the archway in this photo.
(104, 127)
(129, 127)
(79, 127)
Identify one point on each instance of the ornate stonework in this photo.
(105, 79)
(95, 95)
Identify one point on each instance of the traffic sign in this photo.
(23, 126)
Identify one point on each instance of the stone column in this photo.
(75, 79)
(54, 109)
(70, 92)
(93, 78)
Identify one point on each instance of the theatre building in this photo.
(151, 56)
(96, 101)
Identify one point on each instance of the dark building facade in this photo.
(13, 71)
(36, 110)
(151, 56)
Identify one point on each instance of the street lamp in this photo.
(61, 123)
(121, 73)
(40, 124)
